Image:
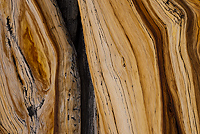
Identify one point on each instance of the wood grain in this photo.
(40, 84)
(143, 57)
(72, 19)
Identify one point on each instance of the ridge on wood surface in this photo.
(40, 86)
(143, 57)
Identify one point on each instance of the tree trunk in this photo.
(138, 60)
(143, 57)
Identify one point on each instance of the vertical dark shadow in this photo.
(71, 15)
(88, 107)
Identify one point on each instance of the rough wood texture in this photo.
(88, 103)
(143, 57)
(71, 16)
(39, 82)
(70, 11)
(144, 62)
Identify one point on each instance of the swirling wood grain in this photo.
(143, 57)
(39, 82)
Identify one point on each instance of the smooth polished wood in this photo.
(39, 81)
(144, 62)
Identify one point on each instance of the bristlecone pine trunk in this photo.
(99, 66)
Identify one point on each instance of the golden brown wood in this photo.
(144, 62)
(39, 83)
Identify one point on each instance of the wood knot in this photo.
(123, 62)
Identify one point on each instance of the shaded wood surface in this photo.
(88, 103)
(71, 16)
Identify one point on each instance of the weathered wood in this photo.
(71, 16)
(40, 86)
(143, 58)
(88, 103)
(70, 13)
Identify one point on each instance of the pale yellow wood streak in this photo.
(123, 65)
(39, 83)
(143, 57)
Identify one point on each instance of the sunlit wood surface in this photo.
(39, 83)
(144, 60)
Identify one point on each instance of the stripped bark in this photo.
(142, 64)
(143, 57)
(40, 85)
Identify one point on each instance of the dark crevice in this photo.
(32, 111)
(16, 70)
(87, 91)
(79, 40)
(71, 15)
